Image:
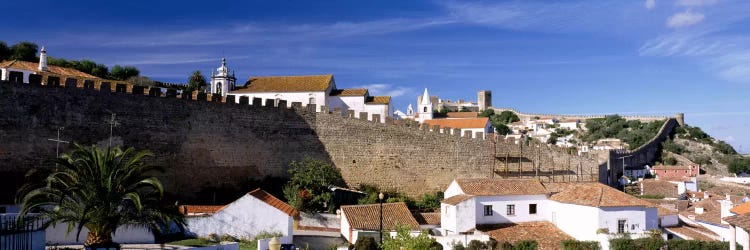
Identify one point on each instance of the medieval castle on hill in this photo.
(233, 135)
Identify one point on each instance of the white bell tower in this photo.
(425, 107)
(43, 59)
(222, 81)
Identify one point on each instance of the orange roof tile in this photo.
(427, 218)
(662, 211)
(200, 209)
(378, 100)
(274, 202)
(367, 217)
(461, 115)
(286, 84)
(480, 122)
(711, 211)
(349, 92)
(660, 187)
(454, 200)
(546, 234)
(743, 208)
(499, 186)
(32, 66)
(595, 194)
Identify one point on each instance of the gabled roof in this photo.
(461, 114)
(660, 187)
(499, 186)
(480, 122)
(594, 194)
(312, 83)
(349, 92)
(367, 217)
(740, 220)
(670, 167)
(546, 234)
(743, 208)
(454, 200)
(428, 218)
(32, 66)
(274, 202)
(378, 100)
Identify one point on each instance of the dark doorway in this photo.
(16, 77)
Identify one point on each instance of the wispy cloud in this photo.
(387, 89)
(650, 4)
(684, 19)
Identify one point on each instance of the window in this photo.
(621, 226)
(425, 109)
(312, 100)
(532, 208)
(487, 210)
(511, 210)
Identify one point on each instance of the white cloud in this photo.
(386, 89)
(650, 4)
(684, 19)
(729, 139)
(691, 3)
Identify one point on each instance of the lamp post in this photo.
(380, 198)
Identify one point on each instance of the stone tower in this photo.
(425, 107)
(221, 81)
(484, 100)
(680, 117)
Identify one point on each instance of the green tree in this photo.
(312, 178)
(501, 129)
(507, 117)
(487, 113)
(366, 243)
(724, 148)
(739, 165)
(196, 81)
(24, 51)
(122, 73)
(405, 241)
(142, 80)
(99, 190)
(4, 51)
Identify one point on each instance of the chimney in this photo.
(726, 205)
(43, 59)
(699, 210)
(728, 197)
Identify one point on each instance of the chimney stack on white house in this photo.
(726, 205)
(43, 59)
(699, 210)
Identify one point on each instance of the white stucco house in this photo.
(319, 90)
(581, 210)
(254, 212)
(364, 220)
(28, 72)
(466, 125)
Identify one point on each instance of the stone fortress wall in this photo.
(209, 141)
(582, 117)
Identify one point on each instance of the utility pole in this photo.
(57, 144)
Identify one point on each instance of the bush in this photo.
(651, 243)
(671, 146)
(458, 246)
(366, 243)
(476, 245)
(669, 161)
(525, 245)
(312, 178)
(580, 245)
(684, 244)
(621, 244)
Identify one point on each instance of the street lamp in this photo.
(380, 198)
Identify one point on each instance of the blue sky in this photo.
(648, 57)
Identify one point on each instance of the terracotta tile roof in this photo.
(200, 209)
(670, 167)
(660, 187)
(662, 211)
(694, 232)
(711, 211)
(454, 200)
(378, 100)
(349, 92)
(594, 194)
(499, 186)
(480, 122)
(740, 220)
(32, 66)
(427, 218)
(274, 202)
(286, 84)
(547, 235)
(367, 217)
(461, 114)
(743, 208)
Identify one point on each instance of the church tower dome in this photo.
(222, 82)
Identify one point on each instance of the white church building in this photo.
(319, 90)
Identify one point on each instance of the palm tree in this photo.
(99, 190)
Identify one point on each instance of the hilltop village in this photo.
(295, 161)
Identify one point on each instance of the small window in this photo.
(312, 100)
(511, 210)
(621, 226)
(532, 208)
(487, 210)
(425, 109)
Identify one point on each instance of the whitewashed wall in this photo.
(521, 203)
(669, 220)
(289, 97)
(243, 218)
(263, 243)
(448, 240)
(580, 222)
(641, 218)
(356, 103)
(453, 190)
(344, 228)
(381, 109)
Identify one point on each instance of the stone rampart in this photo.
(206, 141)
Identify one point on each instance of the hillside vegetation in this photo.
(635, 133)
